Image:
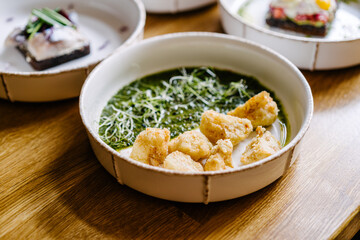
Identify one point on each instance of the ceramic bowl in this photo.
(174, 6)
(336, 50)
(197, 49)
(108, 24)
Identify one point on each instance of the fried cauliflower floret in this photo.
(262, 146)
(261, 110)
(181, 162)
(216, 126)
(215, 163)
(151, 146)
(193, 143)
(220, 157)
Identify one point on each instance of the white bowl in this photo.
(174, 6)
(197, 49)
(340, 48)
(109, 24)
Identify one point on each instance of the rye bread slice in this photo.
(290, 25)
(52, 62)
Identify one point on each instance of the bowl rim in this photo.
(238, 18)
(235, 40)
(178, 9)
(137, 31)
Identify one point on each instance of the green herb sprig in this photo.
(46, 16)
(349, 1)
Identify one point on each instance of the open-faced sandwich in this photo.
(50, 38)
(310, 17)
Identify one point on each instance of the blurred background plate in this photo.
(338, 49)
(108, 24)
(174, 6)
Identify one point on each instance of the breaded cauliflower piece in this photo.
(181, 162)
(221, 156)
(151, 146)
(262, 146)
(261, 110)
(216, 126)
(215, 163)
(193, 143)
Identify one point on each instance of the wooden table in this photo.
(52, 186)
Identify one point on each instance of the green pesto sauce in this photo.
(175, 99)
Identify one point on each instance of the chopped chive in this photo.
(40, 14)
(57, 16)
(36, 29)
(46, 16)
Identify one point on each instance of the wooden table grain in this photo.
(52, 186)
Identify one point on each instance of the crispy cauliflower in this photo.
(262, 146)
(151, 146)
(261, 110)
(216, 126)
(221, 156)
(181, 162)
(193, 143)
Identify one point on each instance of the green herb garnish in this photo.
(243, 7)
(174, 100)
(349, 1)
(46, 16)
(35, 29)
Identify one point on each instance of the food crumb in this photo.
(104, 45)
(71, 6)
(123, 29)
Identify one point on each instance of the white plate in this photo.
(340, 48)
(108, 24)
(197, 49)
(174, 6)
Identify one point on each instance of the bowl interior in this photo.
(197, 49)
(174, 6)
(107, 23)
